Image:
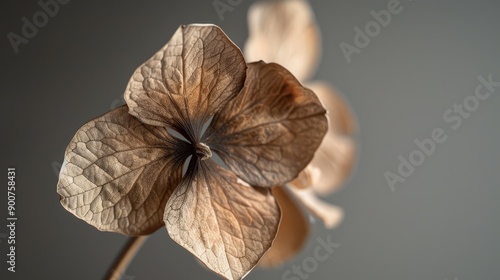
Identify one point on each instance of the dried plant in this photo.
(286, 32)
(123, 171)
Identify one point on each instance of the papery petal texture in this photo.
(188, 80)
(269, 132)
(223, 221)
(118, 173)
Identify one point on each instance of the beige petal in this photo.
(336, 155)
(340, 115)
(292, 232)
(334, 160)
(117, 173)
(270, 131)
(188, 80)
(224, 222)
(303, 180)
(284, 32)
(330, 215)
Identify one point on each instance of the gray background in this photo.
(441, 223)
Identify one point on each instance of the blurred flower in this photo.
(285, 32)
(123, 171)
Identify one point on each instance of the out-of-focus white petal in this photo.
(292, 232)
(336, 155)
(284, 32)
(330, 215)
(335, 160)
(340, 114)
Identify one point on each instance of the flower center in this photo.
(202, 151)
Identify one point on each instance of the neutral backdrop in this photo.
(441, 223)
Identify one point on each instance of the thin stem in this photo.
(117, 270)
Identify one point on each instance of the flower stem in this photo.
(122, 261)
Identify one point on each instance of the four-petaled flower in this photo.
(123, 171)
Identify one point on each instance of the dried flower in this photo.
(286, 32)
(123, 171)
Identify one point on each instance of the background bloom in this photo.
(286, 32)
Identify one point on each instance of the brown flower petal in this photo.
(336, 155)
(188, 80)
(269, 132)
(227, 224)
(330, 215)
(284, 32)
(292, 232)
(117, 173)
